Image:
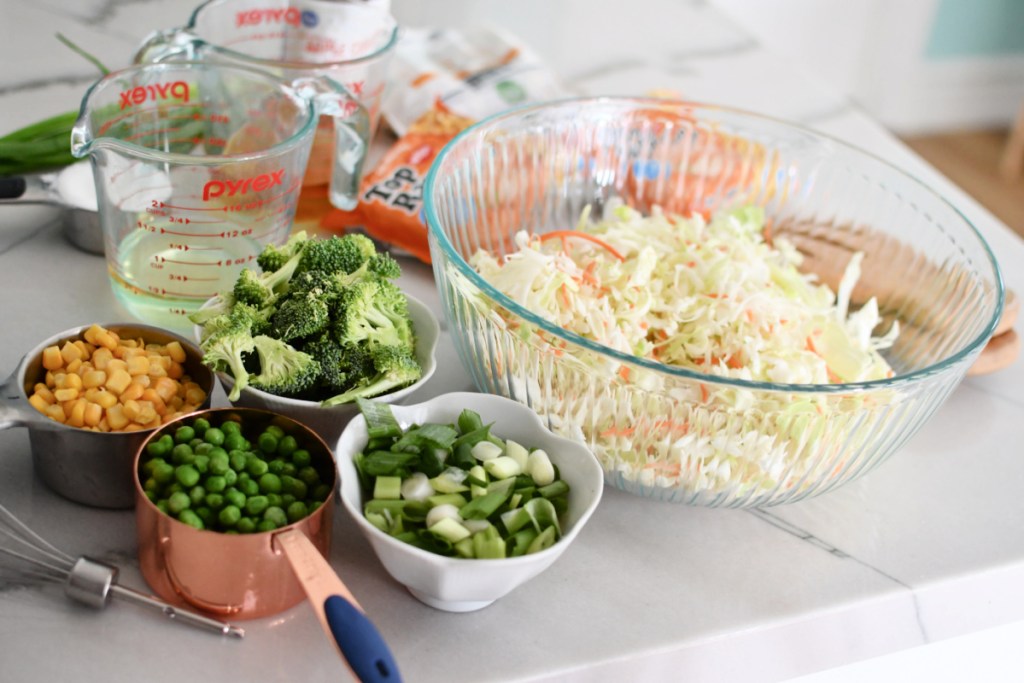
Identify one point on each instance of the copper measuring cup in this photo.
(246, 576)
(88, 467)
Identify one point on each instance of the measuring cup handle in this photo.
(27, 189)
(173, 43)
(360, 641)
(351, 135)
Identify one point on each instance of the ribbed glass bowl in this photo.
(669, 433)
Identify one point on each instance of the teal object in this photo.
(976, 28)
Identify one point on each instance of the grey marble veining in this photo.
(927, 547)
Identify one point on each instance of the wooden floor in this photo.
(971, 160)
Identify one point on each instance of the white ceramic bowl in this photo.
(462, 585)
(329, 422)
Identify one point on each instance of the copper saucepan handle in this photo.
(340, 615)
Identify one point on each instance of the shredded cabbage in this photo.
(713, 296)
(718, 296)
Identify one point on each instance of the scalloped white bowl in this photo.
(462, 585)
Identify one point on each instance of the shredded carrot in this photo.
(565, 295)
(703, 393)
(617, 431)
(564, 235)
(767, 232)
(624, 372)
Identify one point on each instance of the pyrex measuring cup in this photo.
(349, 42)
(198, 166)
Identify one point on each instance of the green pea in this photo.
(234, 441)
(200, 424)
(235, 497)
(309, 476)
(237, 459)
(276, 466)
(287, 445)
(215, 483)
(182, 454)
(194, 443)
(162, 506)
(287, 499)
(187, 475)
(276, 515)
(203, 448)
(265, 525)
(302, 458)
(196, 494)
(206, 514)
(214, 436)
(289, 469)
(230, 477)
(157, 448)
(230, 426)
(184, 434)
(274, 499)
(202, 463)
(147, 467)
(173, 487)
(270, 483)
(249, 487)
(256, 467)
(314, 506)
(245, 525)
(219, 462)
(255, 505)
(214, 501)
(267, 442)
(229, 515)
(178, 501)
(293, 486)
(191, 518)
(152, 495)
(276, 430)
(163, 472)
(296, 511)
(321, 491)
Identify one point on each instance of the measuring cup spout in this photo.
(174, 43)
(351, 135)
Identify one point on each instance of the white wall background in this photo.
(876, 52)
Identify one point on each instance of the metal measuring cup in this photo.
(245, 576)
(89, 467)
(81, 225)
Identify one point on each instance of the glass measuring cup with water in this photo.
(350, 43)
(197, 167)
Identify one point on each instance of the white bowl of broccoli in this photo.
(321, 324)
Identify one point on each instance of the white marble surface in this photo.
(928, 547)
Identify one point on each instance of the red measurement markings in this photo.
(196, 140)
(144, 110)
(181, 295)
(149, 133)
(218, 264)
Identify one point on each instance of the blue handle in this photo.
(360, 642)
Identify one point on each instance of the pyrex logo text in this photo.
(290, 15)
(139, 94)
(258, 183)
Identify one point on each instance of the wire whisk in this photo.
(86, 580)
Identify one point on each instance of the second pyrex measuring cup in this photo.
(198, 166)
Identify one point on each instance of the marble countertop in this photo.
(927, 547)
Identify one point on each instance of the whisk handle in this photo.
(173, 613)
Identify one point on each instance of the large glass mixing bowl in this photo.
(674, 434)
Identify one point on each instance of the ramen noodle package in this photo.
(442, 81)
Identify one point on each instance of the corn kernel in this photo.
(107, 340)
(165, 388)
(105, 399)
(116, 417)
(39, 403)
(44, 392)
(55, 412)
(90, 334)
(176, 371)
(73, 366)
(118, 381)
(132, 393)
(70, 352)
(176, 352)
(94, 378)
(72, 381)
(93, 414)
(146, 412)
(154, 398)
(117, 364)
(101, 358)
(137, 365)
(77, 416)
(195, 396)
(52, 358)
(63, 395)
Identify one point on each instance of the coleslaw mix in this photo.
(718, 296)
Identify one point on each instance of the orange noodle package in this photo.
(442, 81)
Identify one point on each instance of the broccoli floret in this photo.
(340, 366)
(273, 257)
(299, 315)
(228, 337)
(393, 368)
(383, 265)
(337, 254)
(219, 305)
(264, 289)
(284, 371)
(373, 312)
